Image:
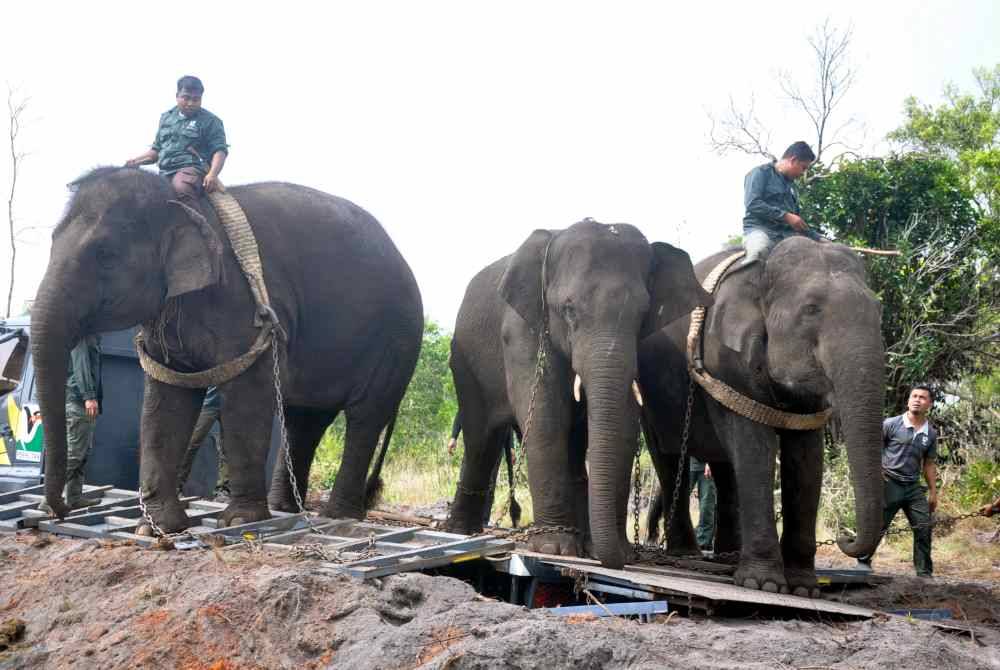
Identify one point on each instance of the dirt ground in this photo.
(88, 604)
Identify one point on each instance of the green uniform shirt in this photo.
(767, 196)
(84, 379)
(188, 142)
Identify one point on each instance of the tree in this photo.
(966, 129)
(741, 130)
(429, 405)
(15, 113)
(940, 298)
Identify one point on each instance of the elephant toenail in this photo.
(770, 587)
(783, 589)
(751, 583)
(802, 591)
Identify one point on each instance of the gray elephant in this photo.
(797, 333)
(127, 252)
(587, 294)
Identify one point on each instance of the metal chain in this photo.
(283, 431)
(542, 530)
(681, 462)
(636, 492)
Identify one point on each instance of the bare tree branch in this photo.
(15, 111)
(743, 131)
(740, 131)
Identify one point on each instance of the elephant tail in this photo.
(373, 489)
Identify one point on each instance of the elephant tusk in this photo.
(636, 392)
(576, 388)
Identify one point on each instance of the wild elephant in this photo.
(562, 317)
(127, 252)
(798, 333)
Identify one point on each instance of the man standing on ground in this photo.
(772, 202)
(909, 447)
(190, 146)
(211, 409)
(83, 403)
(703, 484)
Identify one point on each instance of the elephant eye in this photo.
(811, 310)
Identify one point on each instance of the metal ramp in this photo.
(358, 548)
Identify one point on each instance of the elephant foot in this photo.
(802, 582)
(282, 504)
(170, 518)
(338, 509)
(555, 542)
(761, 576)
(239, 513)
(462, 526)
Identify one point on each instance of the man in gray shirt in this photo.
(909, 447)
(772, 202)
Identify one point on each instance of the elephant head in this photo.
(812, 335)
(599, 289)
(123, 246)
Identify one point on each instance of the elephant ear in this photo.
(191, 252)
(521, 283)
(673, 288)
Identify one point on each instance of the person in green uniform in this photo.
(84, 396)
(211, 409)
(704, 486)
(772, 202)
(190, 147)
(909, 447)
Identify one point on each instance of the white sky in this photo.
(462, 126)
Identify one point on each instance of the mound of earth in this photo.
(90, 604)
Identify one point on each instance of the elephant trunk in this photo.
(858, 389)
(612, 425)
(53, 332)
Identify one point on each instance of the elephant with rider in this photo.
(343, 305)
(797, 334)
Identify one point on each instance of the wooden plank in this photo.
(719, 592)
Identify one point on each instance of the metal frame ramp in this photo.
(358, 548)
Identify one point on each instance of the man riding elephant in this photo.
(190, 146)
(772, 202)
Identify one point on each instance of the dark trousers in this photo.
(188, 184)
(912, 499)
(207, 418)
(705, 532)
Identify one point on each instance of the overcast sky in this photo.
(462, 126)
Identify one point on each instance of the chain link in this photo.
(636, 492)
(542, 530)
(283, 431)
(681, 462)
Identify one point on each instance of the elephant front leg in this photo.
(752, 449)
(551, 477)
(247, 416)
(801, 480)
(168, 417)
